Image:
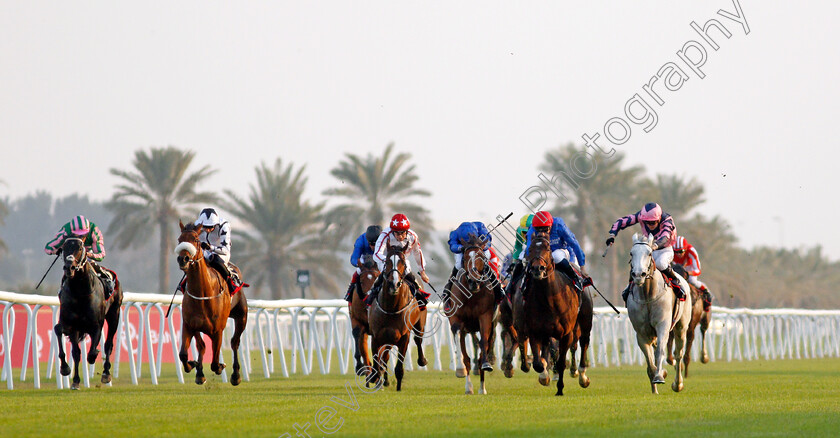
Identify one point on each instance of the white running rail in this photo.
(303, 336)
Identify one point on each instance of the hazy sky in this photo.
(476, 91)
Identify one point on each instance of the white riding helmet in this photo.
(208, 218)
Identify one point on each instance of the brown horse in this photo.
(393, 317)
(698, 316)
(359, 315)
(509, 335)
(473, 304)
(549, 308)
(84, 310)
(583, 335)
(206, 307)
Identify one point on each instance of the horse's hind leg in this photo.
(476, 366)
(686, 355)
(240, 319)
(76, 351)
(465, 359)
(113, 320)
(647, 351)
(199, 366)
(704, 325)
(419, 330)
(399, 371)
(65, 369)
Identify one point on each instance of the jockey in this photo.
(661, 226)
(562, 239)
(81, 228)
(215, 241)
(457, 239)
(400, 234)
(518, 247)
(686, 256)
(363, 247)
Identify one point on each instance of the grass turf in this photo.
(758, 398)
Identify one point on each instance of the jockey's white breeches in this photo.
(663, 258)
(696, 282)
(559, 255)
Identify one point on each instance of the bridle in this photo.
(649, 269)
(83, 260)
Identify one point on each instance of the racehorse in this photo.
(359, 315)
(549, 309)
(583, 332)
(393, 317)
(698, 316)
(206, 307)
(84, 310)
(650, 307)
(474, 304)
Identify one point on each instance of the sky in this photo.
(475, 91)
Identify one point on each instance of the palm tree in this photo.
(285, 232)
(374, 188)
(157, 194)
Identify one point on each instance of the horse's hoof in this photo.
(544, 378)
(482, 391)
(559, 393)
(235, 379)
(486, 367)
(65, 370)
(91, 357)
(539, 366)
(106, 378)
(74, 386)
(475, 370)
(200, 380)
(468, 390)
(573, 373)
(583, 380)
(509, 372)
(704, 359)
(677, 387)
(670, 361)
(460, 373)
(218, 369)
(664, 373)
(658, 380)
(525, 367)
(421, 361)
(386, 383)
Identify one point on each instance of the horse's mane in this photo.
(474, 240)
(190, 227)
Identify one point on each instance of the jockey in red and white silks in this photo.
(661, 226)
(686, 256)
(399, 234)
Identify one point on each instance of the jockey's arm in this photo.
(624, 222)
(54, 245)
(421, 261)
(224, 241)
(96, 251)
(379, 250)
(357, 251)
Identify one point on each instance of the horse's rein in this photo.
(81, 264)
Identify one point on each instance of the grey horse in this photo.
(649, 307)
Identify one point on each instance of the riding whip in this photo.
(605, 298)
(173, 296)
(48, 269)
(605, 251)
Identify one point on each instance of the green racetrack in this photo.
(757, 398)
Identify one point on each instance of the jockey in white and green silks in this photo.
(81, 228)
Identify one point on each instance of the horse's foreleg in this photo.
(465, 360)
(402, 349)
(485, 326)
(704, 325)
(661, 350)
(363, 341)
(647, 351)
(419, 330)
(76, 351)
(199, 361)
(560, 364)
(680, 342)
(239, 327)
(93, 351)
(458, 356)
(184, 353)
(216, 344)
(59, 333)
(357, 354)
(508, 348)
(477, 353)
(112, 318)
(540, 350)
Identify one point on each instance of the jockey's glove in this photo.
(610, 240)
(206, 246)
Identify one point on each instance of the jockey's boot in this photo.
(107, 281)
(515, 276)
(447, 291)
(417, 290)
(374, 291)
(566, 268)
(707, 299)
(219, 264)
(675, 283)
(626, 292)
(353, 284)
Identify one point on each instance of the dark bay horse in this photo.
(698, 316)
(206, 307)
(393, 318)
(549, 310)
(84, 310)
(510, 338)
(473, 304)
(359, 315)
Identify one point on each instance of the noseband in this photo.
(649, 271)
(83, 260)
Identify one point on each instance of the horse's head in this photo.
(539, 260)
(641, 259)
(394, 269)
(474, 261)
(75, 256)
(369, 272)
(188, 250)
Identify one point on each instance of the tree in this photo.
(677, 196)
(155, 195)
(285, 233)
(376, 187)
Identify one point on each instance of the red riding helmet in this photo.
(400, 222)
(542, 219)
(651, 212)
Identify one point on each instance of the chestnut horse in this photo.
(549, 309)
(473, 304)
(359, 315)
(206, 307)
(698, 316)
(393, 317)
(84, 310)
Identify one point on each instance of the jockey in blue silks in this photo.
(363, 247)
(562, 240)
(457, 239)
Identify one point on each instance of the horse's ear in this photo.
(181, 224)
(635, 237)
(650, 239)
